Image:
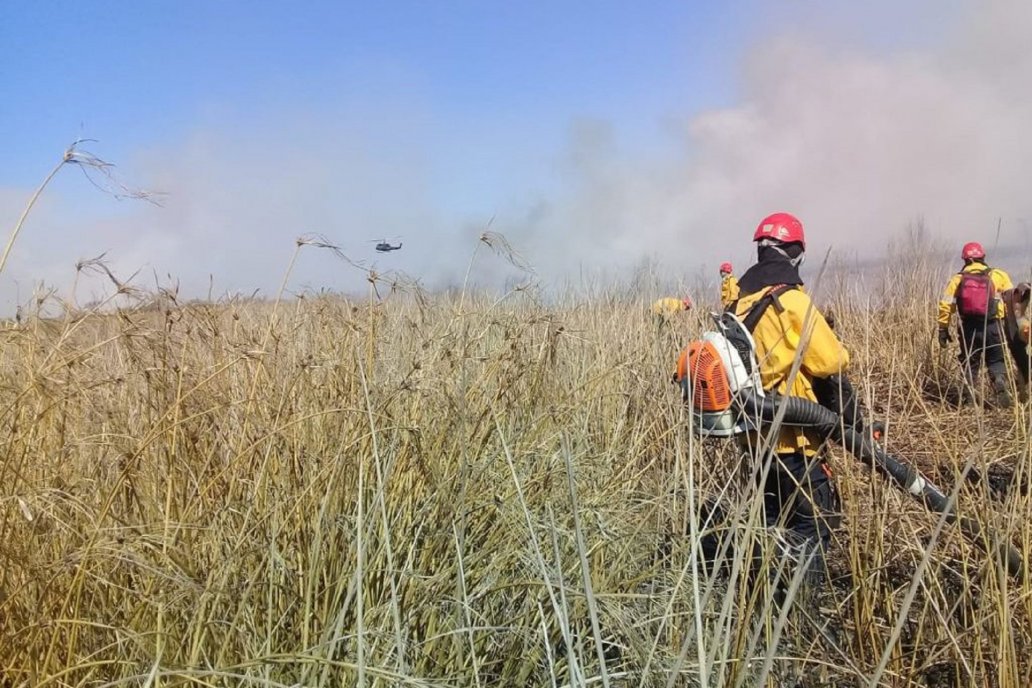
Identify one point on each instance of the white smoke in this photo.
(856, 144)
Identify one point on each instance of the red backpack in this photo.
(976, 294)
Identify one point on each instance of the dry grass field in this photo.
(470, 491)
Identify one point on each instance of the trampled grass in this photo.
(438, 491)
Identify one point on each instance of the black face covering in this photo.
(773, 267)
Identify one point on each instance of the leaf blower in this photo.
(719, 379)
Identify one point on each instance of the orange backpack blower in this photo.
(713, 371)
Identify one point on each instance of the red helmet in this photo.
(972, 251)
(782, 227)
(725, 267)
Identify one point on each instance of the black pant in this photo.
(1019, 353)
(981, 341)
(799, 495)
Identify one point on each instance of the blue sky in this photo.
(131, 74)
(623, 126)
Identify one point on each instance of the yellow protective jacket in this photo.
(948, 302)
(797, 330)
(728, 290)
(669, 306)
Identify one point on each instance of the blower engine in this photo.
(716, 373)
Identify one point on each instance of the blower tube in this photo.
(826, 423)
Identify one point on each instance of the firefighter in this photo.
(728, 286)
(974, 294)
(798, 491)
(1016, 329)
(669, 306)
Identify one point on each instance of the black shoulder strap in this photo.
(771, 298)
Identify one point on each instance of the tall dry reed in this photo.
(433, 491)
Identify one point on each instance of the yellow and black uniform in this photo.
(729, 290)
(981, 337)
(1016, 328)
(798, 492)
(796, 330)
(798, 355)
(667, 307)
(948, 302)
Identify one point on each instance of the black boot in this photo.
(1003, 397)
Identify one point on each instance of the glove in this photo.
(944, 336)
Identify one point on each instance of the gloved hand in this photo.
(944, 336)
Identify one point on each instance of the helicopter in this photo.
(384, 246)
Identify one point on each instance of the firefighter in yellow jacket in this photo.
(728, 286)
(798, 491)
(668, 307)
(1017, 330)
(974, 293)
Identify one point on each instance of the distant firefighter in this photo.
(669, 306)
(974, 293)
(728, 285)
(1016, 330)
